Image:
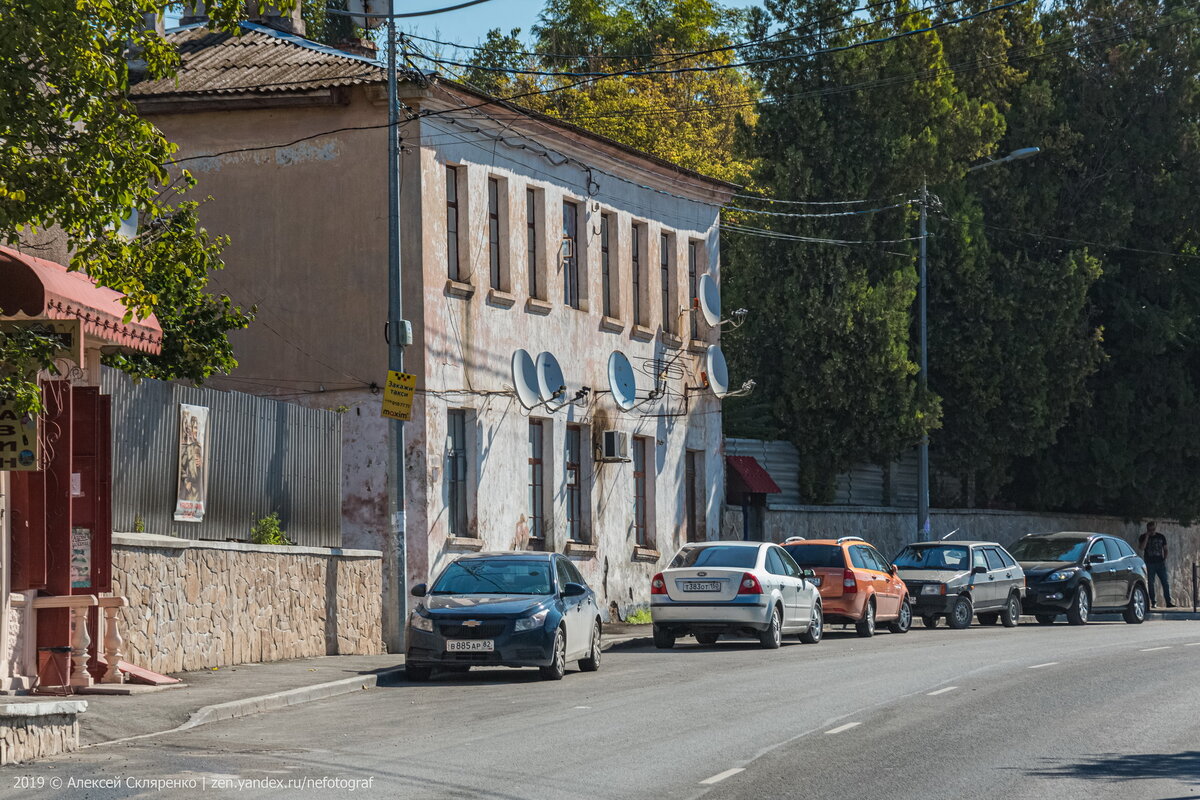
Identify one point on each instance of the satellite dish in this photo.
(622, 380)
(710, 300)
(552, 386)
(359, 8)
(718, 371)
(525, 379)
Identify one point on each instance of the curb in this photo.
(626, 641)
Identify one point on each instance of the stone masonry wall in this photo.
(195, 605)
(27, 734)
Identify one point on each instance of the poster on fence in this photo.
(193, 464)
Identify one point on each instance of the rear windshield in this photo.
(716, 556)
(495, 576)
(812, 556)
(944, 557)
(1048, 549)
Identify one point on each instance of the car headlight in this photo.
(421, 623)
(532, 622)
(933, 588)
(1061, 575)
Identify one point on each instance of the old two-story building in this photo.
(518, 232)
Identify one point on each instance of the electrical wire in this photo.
(792, 237)
(1068, 240)
(823, 214)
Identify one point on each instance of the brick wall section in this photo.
(195, 605)
(29, 731)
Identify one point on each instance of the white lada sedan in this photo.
(755, 589)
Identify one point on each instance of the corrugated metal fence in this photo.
(265, 456)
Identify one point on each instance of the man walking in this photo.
(1154, 551)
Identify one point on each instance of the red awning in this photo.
(746, 476)
(41, 289)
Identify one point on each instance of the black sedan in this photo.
(504, 610)
(1076, 574)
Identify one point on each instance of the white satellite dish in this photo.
(525, 379)
(710, 299)
(359, 8)
(552, 386)
(622, 381)
(718, 371)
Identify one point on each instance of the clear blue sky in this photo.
(469, 25)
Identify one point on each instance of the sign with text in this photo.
(67, 333)
(19, 450)
(398, 395)
(81, 558)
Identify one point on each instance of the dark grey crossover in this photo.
(1076, 574)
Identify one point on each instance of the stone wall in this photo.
(889, 529)
(33, 730)
(195, 605)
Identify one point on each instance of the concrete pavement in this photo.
(937, 713)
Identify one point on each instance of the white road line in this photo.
(943, 691)
(1152, 649)
(841, 728)
(1047, 664)
(579, 707)
(1192, 644)
(720, 776)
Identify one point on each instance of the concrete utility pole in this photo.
(923, 527)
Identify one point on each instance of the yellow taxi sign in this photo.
(398, 395)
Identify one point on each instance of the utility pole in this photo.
(923, 527)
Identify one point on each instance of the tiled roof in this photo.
(262, 59)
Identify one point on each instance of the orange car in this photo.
(858, 585)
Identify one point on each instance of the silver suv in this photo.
(960, 580)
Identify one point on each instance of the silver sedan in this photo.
(734, 588)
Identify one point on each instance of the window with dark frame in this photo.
(456, 471)
(640, 528)
(665, 267)
(691, 495)
(531, 242)
(570, 250)
(453, 270)
(494, 232)
(537, 492)
(635, 245)
(574, 455)
(605, 272)
(693, 286)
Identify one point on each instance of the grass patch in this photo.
(639, 617)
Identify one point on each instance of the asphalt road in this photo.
(1108, 710)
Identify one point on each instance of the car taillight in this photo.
(849, 582)
(749, 585)
(658, 585)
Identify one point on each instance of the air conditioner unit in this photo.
(615, 446)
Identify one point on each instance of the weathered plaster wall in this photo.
(33, 730)
(194, 605)
(890, 529)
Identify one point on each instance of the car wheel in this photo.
(989, 618)
(816, 626)
(929, 621)
(961, 613)
(903, 622)
(866, 628)
(592, 662)
(1011, 614)
(1135, 612)
(707, 638)
(418, 673)
(557, 667)
(1081, 607)
(663, 639)
(1045, 619)
(772, 637)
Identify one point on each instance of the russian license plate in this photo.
(702, 586)
(470, 646)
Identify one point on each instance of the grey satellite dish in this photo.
(710, 300)
(718, 371)
(525, 379)
(622, 381)
(359, 8)
(552, 386)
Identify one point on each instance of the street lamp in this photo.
(923, 527)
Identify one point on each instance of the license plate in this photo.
(469, 646)
(702, 586)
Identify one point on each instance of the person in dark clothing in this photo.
(1154, 551)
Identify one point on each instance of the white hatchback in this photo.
(734, 588)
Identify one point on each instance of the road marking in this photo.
(1047, 664)
(1192, 644)
(720, 776)
(841, 728)
(943, 691)
(1152, 649)
(578, 707)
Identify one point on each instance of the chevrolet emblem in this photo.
(472, 623)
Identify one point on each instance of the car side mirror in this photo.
(894, 570)
(420, 590)
(808, 573)
(574, 590)
(1096, 558)
(979, 571)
